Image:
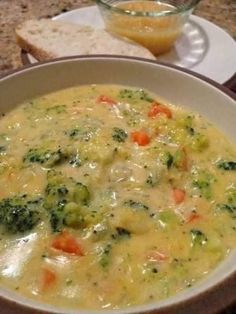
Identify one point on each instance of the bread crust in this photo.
(39, 53)
(46, 39)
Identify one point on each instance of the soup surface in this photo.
(111, 197)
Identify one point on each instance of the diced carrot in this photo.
(156, 256)
(178, 195)
(140, 137)
(157, 109)
(106, 99)
(193, 217)
(48, 278)
(67, 243)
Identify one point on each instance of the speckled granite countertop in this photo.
(13, 12)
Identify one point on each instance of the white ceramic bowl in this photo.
(173, 84)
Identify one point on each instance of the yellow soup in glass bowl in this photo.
(155, 25)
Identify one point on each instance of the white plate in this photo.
(203, 47)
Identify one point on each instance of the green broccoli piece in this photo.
(167, 217)
(81, 193)
(204, 187)
(119, 135)
(105, 256)
(50, 158)
(167, 159)
(43, 156)
(231, 195)
(230, 208)
(198, 237)
(65, 199)
(135, 94)
(227, 165)
(19, 214)
(203, 182)
(230, 202)
(187, 123)
(199, 142)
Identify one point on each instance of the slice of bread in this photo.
(47, 39)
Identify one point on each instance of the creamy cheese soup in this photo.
(111, 197)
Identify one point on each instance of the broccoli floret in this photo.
(50, 158)
(57, 217)
(19, 214)
(231, 195)
(65, 199)
(230, 202)
(203, 183)
(187, 123)
(136, 94)
(168, 218)
(81, 193)
(43, 156)
(227, 165)
(168, 159)
(229, 208)
(105, 256)
(204, 187)
(199, 142)
(119, 135)
(198, 237)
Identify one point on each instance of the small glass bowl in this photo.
(153, 24)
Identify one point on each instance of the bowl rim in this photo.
(26, 64)
(220, 285)
(132, 13)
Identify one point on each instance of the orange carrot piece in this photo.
(156, 256)
(157, 109)
(48, 278)
(193, 217)
(67, 243)
(140, 137)
(106, 99)
(178, 195)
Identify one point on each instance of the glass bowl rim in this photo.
(178, 10)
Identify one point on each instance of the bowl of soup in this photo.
(118, 189)
(154, 24)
